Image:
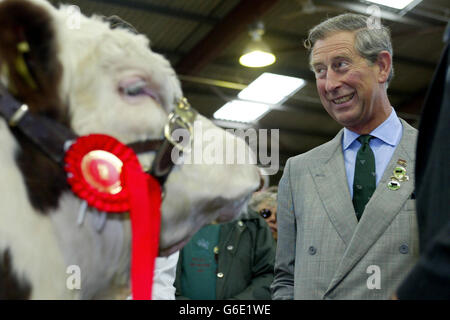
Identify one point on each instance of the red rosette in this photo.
(94, 166)
(108, 175)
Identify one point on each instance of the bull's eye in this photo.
(136, 88)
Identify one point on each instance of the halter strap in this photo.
(51, 136)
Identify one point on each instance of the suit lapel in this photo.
(382, 208)
(331, 182)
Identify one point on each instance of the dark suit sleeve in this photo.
(283, 284)
(430, 278)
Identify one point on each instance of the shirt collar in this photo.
(389, 132)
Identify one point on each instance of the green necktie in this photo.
(364, 182)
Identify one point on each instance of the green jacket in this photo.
(246, 255)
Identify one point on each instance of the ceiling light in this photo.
(396, 4)
(242, 111)
(257, 59)
(271, 88)
(257, 53)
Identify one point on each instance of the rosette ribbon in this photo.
(108, 176)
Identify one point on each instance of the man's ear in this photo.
(28, 54)
(384, 64)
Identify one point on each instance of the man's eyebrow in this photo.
(313, 65)
(342, 56)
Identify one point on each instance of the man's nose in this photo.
(332, 81)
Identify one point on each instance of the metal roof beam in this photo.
(152, 8)
(384, 14)
(233, 24)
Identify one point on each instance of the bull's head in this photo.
(94, 79)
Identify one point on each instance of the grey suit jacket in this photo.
(322, 250)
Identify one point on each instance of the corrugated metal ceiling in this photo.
(178, 27)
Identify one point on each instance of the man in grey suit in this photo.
(346, 211)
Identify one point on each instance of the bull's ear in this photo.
(28, 54)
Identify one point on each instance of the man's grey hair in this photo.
(370, 38)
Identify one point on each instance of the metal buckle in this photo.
(182, 117)
(18, 115)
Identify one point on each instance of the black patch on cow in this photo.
(10, 286)
(22, 20)
(45, 179)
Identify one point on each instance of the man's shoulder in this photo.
(409, 139)
(409, 129)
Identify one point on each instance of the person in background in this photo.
(164, 277)
(264, 203)
(228, 261)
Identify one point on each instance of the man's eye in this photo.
(341, 64)
(320, 70)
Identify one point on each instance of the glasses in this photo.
(265, 213)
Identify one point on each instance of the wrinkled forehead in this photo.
(340, 44)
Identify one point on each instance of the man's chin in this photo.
(347, 122)
(348, 117)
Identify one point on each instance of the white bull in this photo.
(92, 79)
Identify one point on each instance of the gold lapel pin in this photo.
(400, 171)
(394, 184)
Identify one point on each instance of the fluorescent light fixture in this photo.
(396, 4)
(271, 88)
(242, 111)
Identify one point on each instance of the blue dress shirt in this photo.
(386, 138)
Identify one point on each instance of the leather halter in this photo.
(51, 137)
